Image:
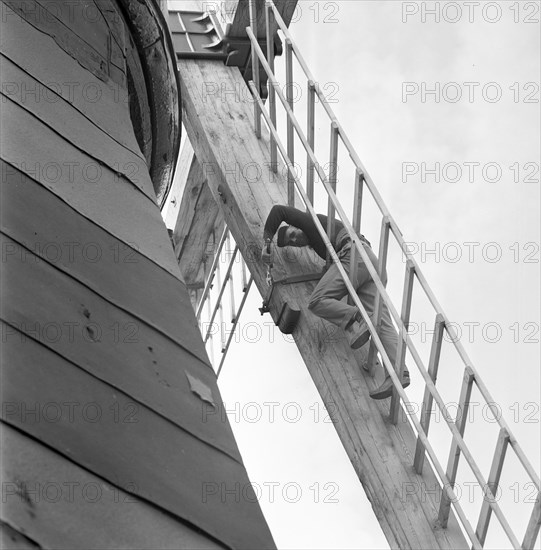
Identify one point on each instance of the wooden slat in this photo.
(255, 66)
(75, 128)
(89, 187)
(197, 249)
(269, 26)
(289, 124)
(493, 481)
(218, 305)
(244, 278)
(113, 346)
(333, 169)
(382, 266)
(186, 188)
(231, 282)
(80, 88)
(75, 509)
(106, 265)
(454, 453)
(532, 531)
(310, 136)
(83, 20)
(401, 350)
(199, 222)
(212, 273)
(380, 455)
(356, 221)
(169, 467)
(433, 365)
(67, 37)
(233, 328)
(170, 210)
(15, 540)
(116, 28)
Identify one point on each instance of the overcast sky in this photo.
(477, 210)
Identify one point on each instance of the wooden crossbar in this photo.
(401, 351)
(491, 491)
(221, 285)
(356, 221)
(532, 531)
(332, 181)
(382, 267)
(255, 68)
(426, 409)
(310, 134)
(243, 271)
(272, 93)
(215, 263)
(454, 453)
(290, 132)
(245, 291)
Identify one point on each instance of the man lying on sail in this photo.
(326, 300)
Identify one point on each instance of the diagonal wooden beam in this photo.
(236, 166)
(198, 225)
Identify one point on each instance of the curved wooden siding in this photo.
(97, 328)
(64, 489)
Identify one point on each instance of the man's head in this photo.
(288, 235)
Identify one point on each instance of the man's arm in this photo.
(292, 216)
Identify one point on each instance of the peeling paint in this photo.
(200, 389)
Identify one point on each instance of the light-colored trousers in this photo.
(326, 300)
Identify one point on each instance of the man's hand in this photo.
(266, 253)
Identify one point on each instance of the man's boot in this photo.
(357, 332)
(386, 388)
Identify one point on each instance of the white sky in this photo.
(364, 52)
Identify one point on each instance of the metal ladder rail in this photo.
(413, 270)
(394, 229)
(207, 298)
(447, 486)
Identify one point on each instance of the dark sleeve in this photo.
(292, 216)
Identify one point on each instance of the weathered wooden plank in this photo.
(12, 539)
(45, 304)
(60, 116)
(82, 19)
(114, 20)
(170, 468)
(188, 185)
(426, 407)
(109, 267)
(192, 249)
(91, 188)
(69, 507)
(199, 222)
(221, 132)
(401, 350)
(199, 246)
(71, 42)
(170, 211)
(117, 30)
(105, 104)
